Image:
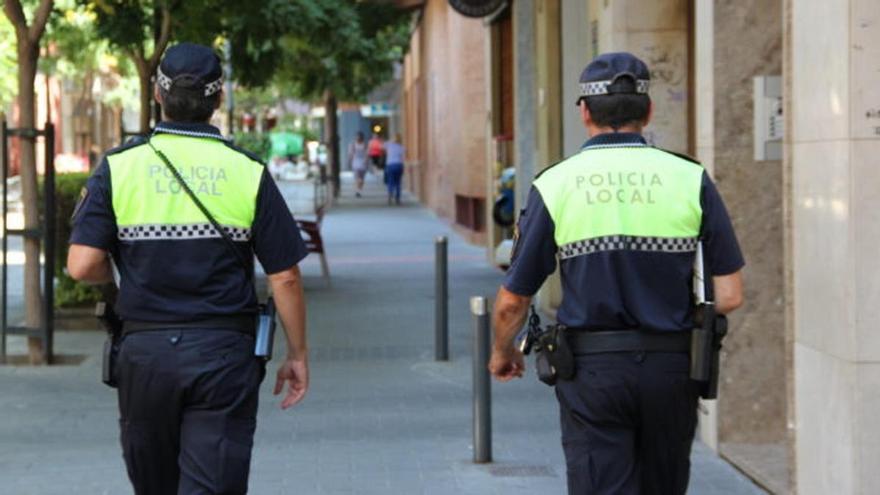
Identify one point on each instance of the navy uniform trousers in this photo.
(628, 421)
(188, 405)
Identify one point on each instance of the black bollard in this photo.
(441, 299)
(482, 385)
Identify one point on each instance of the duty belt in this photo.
(585, 342)
(244, 323)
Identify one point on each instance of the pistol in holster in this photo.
(706, 342)
(111, 323)
(554, 359)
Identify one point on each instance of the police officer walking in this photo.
(624, 220)
(187, 375)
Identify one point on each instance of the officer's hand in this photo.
(506, 364)
(295, 371)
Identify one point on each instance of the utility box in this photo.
(769, 127)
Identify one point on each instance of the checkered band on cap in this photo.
(180, 232)
(594, 88)
(162, 80)
(213, 87)
(166, 82)
(628, 243)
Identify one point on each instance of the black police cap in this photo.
(198, 65)
(599, 76)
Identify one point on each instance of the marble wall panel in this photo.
(822, 248)
(821, 68)
(826, 457)
(868, 405)
(865, 63)
(866, 235)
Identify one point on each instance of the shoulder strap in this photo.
(225, 235)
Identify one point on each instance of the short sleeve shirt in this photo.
(621, 289)
(181, 280)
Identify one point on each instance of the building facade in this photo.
(781, 102)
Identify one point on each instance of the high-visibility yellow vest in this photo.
(149, 202)
(635, 198)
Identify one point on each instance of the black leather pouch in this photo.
(554, 360)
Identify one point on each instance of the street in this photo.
(381, 416)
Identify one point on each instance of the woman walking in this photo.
(394, 153)
(357, 159)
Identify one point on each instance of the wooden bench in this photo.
(311, 230)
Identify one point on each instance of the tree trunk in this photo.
(146, 95)
(28, 53)
(331, 130)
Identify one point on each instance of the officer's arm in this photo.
(89, 264)
(728, 292)
(508, 317)
(289, 300)
(287, 291)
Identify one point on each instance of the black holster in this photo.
(706, 342)
(554, 360)
(113, 326)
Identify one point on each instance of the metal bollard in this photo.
(441, 299)
(482, 385)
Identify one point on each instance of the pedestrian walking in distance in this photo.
(376, 151)
(357, 160)
(626, 221)
(187, 374)
(394, 153)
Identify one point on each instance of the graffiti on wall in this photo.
(666, 57)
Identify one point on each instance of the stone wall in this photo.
(454, 70)
(657, 32)
(748, 43)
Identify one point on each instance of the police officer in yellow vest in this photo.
(187, 374)
(623, 220)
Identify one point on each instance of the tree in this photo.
(141, 29)
(346, 51)
(27, 36)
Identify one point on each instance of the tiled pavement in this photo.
(381, 416)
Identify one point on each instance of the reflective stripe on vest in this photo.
(149, 203)
(623, 198)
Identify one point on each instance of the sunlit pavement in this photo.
(381, 416)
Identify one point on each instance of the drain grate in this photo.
(522, 471)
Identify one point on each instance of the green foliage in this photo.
(349, 50)
(68, 292)
(125, 24)
(254, 142)
(8, 64)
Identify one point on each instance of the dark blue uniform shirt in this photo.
(187, 280)
(624, 289)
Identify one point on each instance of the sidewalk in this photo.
(381, 416)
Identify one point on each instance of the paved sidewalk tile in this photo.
(381, 416)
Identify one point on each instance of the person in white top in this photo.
(394, 153)
(357, 159)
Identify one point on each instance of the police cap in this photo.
(600, 75)
(189, 67)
